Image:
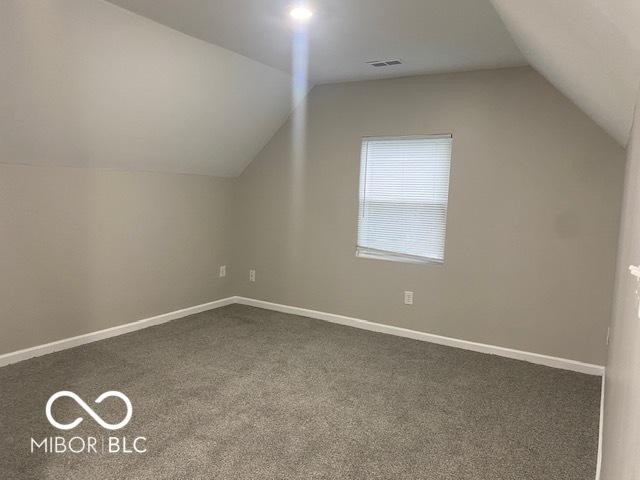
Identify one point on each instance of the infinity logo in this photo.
(89, 410)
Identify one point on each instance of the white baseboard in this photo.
(536, 358)
(19, 355)
(599, 461)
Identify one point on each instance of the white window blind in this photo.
(404, 188)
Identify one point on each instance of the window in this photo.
(404, 187)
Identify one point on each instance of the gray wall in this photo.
(533, 215)
(621, 436)
(531, 241)
(89, 84)
(86, 249)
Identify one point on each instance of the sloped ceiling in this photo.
(589, 49)
(87, 83)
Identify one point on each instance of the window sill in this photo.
(398, 259)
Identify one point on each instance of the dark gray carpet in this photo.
(245, 393)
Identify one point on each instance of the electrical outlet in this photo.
(408, 298)
(223, 270)
(252, 275)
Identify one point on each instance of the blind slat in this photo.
(404, 189)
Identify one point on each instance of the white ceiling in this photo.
(589, 49)
(428, 35)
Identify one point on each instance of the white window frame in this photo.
(371, 253)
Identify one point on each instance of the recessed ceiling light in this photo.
(301, 14)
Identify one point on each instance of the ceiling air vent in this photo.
(384, 63)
